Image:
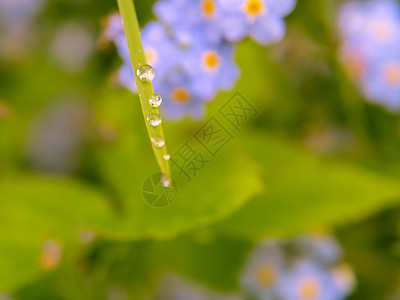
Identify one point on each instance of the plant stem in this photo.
(145, 89)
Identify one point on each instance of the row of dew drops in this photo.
(146, 74)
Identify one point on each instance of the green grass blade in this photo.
(145, 89)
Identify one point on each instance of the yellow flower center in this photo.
(211, 61)
(392, 74)
(180, 95)
(208, 8)
(309, 289)
(254, 8)
(151, 56)
(266, 276)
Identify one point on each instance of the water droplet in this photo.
(157, 141)
(154, 119)
(155, 100)
(145, 73)
(166, 180)
(166, 156)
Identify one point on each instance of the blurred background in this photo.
(298, 200)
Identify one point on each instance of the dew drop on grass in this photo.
(166, 180)
(154, 119)
(166, 156)
(157, 141)
(155, 100)
(145, 73)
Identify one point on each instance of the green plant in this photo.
(145, 88)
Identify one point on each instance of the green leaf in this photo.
(305, 192)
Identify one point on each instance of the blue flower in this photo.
(180, 97)
(308, 281)
(320, 247)
(212, 68)
(190, 21)
(114, 30)
(260, 19)
(161, 52)
(126, 77)
(371, 48)
(213, 20)
(180, 93)
(263, 271)
(185, 78)
(381, 82)
(372, 27)
(275, 271)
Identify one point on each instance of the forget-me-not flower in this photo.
(161, 52)
(191, 48)
(126, 76)
(296, 269)
(371, 48)
(180, 98)
(180, 93)
(372, 27)
(320, 247)
(381, 82)
(260, 19)
(212, 68)
(185, 78)
(308, 281)
(263, 270)
(191, 21)
(113, 29)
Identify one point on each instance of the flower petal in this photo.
(268, 30)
